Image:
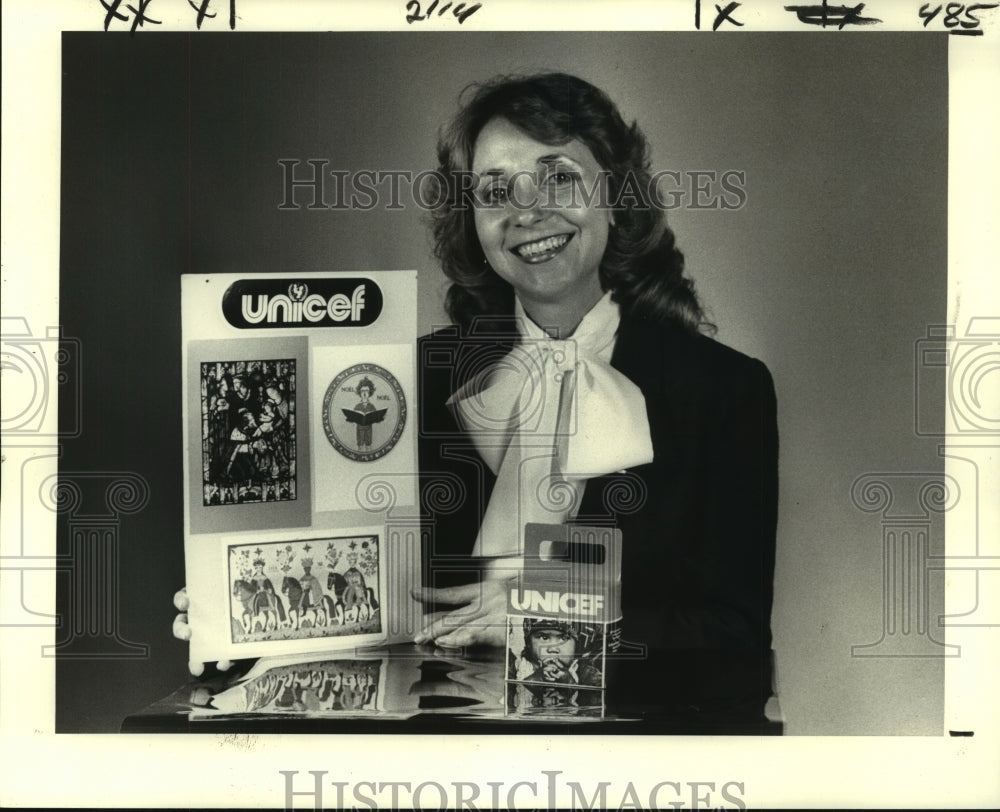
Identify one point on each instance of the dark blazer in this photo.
(698, 522)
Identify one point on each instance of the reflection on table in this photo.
(418, 689)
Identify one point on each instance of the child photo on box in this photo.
(559, 652)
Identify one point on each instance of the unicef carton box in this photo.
(564, 615)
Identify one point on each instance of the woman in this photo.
(567, 288)
(558, 237)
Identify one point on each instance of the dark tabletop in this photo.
(409, 689)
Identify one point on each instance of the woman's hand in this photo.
(480, 619)
(182, 631)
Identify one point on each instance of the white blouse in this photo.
(540, 419)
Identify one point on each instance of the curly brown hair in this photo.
(642, 265)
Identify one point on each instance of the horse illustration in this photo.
(302, 612)
(292, 589)
(331, 612)
(259, 610)
(337, 583)
(265, 585)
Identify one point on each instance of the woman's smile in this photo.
(542, 250)
(537, 228)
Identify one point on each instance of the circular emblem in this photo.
(364, 412)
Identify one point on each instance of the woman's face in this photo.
(536, 229)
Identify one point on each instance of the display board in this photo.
(298, 396)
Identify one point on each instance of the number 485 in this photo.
(953, 13)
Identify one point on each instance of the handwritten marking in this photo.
(724, 16)
(461, 12)
(202, 11)
(140, 17)
(952, 14)
(113, 13)
(826, 14)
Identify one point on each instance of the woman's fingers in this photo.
(444, 623)
(488, 594)
(483, 633)
(481, 618)
(181, 629)
(430, 629)
(466, 593)
(464, 628)
(197, 669)
(460, 638)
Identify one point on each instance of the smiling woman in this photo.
(570, 138)
(579, 385)
(549, 250)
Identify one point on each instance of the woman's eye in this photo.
(561, 177)
(494, 195)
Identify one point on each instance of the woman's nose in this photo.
(523, 203)
(527, 215)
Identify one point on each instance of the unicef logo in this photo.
(364, 412)
(335, 301)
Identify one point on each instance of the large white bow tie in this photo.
(548, 395)
(551, 410)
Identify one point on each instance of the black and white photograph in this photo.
(714, 280)
(555, 652)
